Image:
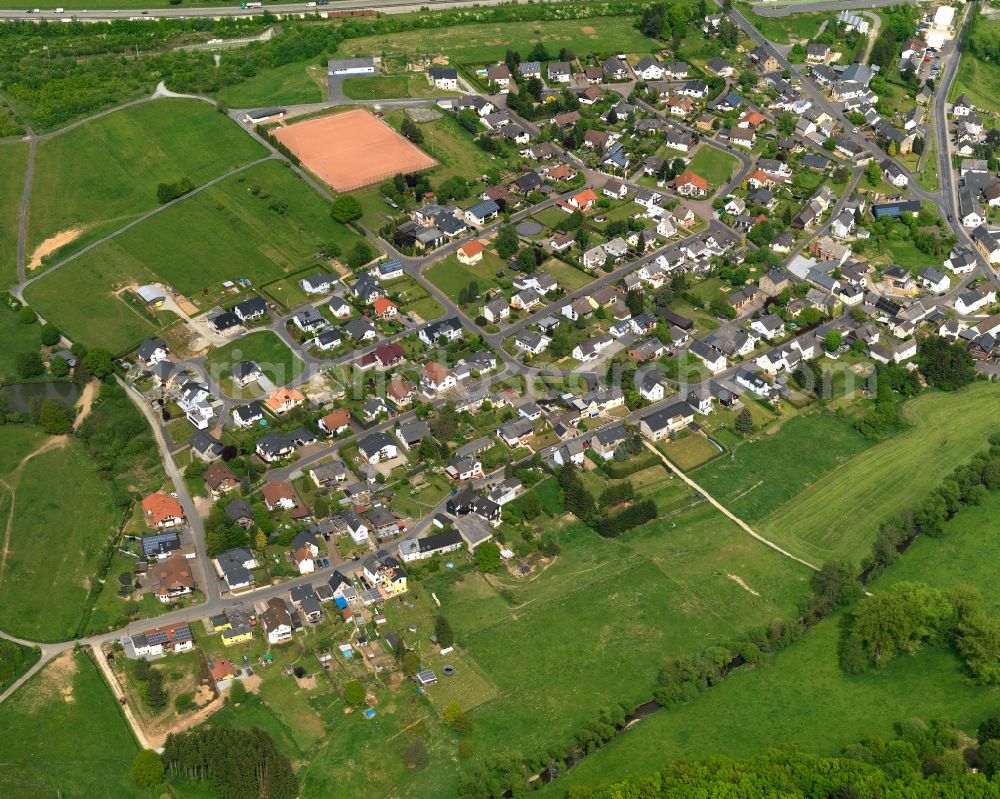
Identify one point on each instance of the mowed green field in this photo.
(715, 166)
(290, 84)
(66, 736)
(259, 225)
(278, 363)
(477, 44)
(797, 698)
(62, 517)
(974, 79)
(765, 473)
(102, 175)
(593, 628)
(13, 164)
(839, 516)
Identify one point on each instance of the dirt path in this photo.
(109, 675)
(86, 402)
(54, 442)
(724, 511)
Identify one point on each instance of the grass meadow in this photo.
(792, 699)
(838, 516)
(452, 146)
(71, 740)
(55, 538)
(483, 43)
(101, 175)
(13, 163)
(16, 338)
(259, 225)
(297, 83)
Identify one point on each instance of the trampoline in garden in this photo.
(528, 228)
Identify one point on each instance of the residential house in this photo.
(162, 511)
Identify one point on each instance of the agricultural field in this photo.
(259, 225)
(484, 43)
(71, 740)
(13, 163)
(297, 83)
(278, 363)
(714, 165)
(56, 537)
(839, 516)
(764, 473)
(792, 699)
(101, 175)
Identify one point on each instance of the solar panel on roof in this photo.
(154, 637)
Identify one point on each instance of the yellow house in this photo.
(238, 636)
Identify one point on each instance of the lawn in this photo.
(257, 225)
(13, 163)
(297, 83)
(793, 699)
(839, 516)
(568, 277)
(768, 471)
(689, 452)
(104, 174)
(278, 363)
(486, 43)
(713, 165)
(389, 87)
(55, 540)
(71, 738)
(451, 277)
(254, 713)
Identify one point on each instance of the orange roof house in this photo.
(471, 253)
(690, 183)
(282, 400)
(752, 119)
(279, 494)
(162, 510)
(384, 307)
(335, 421)
(583, 200)
(222, 669)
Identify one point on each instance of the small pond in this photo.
(21, 395)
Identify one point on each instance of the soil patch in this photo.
(86, 402)
(739, 581)
(53, 243)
